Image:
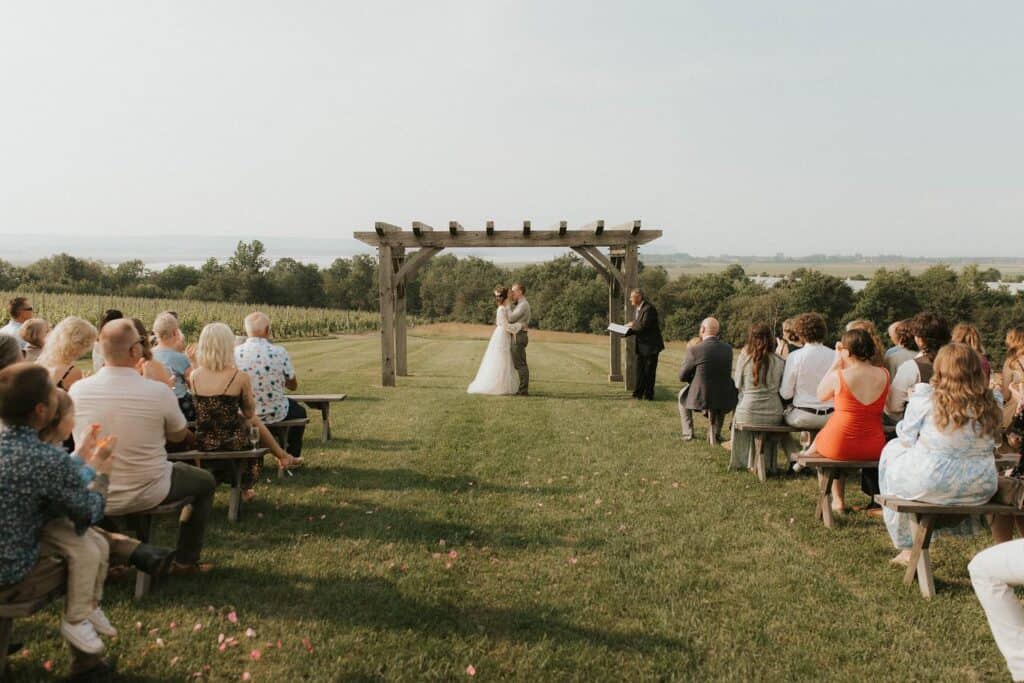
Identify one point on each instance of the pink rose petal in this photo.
(233, 617)
(255, 655)
(48, 665)
(453, 554)
(308, 645)
(246, 676)
(471, 670)
(197, 628)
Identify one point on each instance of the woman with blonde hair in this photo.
(965, 333)
(66, 343)
(224, 403)
(878, 357)
(943, 450)
(33, 332)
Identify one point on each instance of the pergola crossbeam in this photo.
(509, 238)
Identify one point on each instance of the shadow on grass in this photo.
(378, 603)
(404, 478)
(379, 444)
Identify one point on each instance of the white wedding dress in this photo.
(497, 376)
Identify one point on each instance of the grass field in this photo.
(566, 536)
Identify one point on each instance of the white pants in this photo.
(994, 573)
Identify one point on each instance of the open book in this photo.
(618, 329)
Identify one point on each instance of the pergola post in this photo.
(615, 313)
(631, 279)
(386, 272)
(401, 330)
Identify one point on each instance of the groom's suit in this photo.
(521, 314)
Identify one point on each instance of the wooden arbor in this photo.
(619, 267)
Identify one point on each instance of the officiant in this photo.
(648, 345)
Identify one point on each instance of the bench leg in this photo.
(325, 412)
(235, 497)
(825, 478)
(759, 464)
(143, 581)
(920, 560)
(6, 625)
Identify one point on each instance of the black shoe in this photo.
(152, 559)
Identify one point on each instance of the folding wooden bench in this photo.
(16, 604)
(141, 524)
(321, 402)
(761, 435)
(236, 460)
(828, 471)
(926, 518)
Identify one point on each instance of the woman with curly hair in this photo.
(758, 376)
(931, 333)
(943, 450)
(805, 369)
(965, 333)
(66, 343)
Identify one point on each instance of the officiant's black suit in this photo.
(648, 345)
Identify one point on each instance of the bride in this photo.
(497, 375)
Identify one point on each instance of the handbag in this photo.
(1010, 491)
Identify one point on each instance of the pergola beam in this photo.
(602, 263)
(419, 228)
(454, 228)
(510, 238)
(412, 266)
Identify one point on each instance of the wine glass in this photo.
(254, 435)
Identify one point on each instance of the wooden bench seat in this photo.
(141, 524)
(47, 586)
(762, 433)
(237, 460)
(926, 518)
(828, 471)
(321, 402)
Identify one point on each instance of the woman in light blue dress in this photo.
(943, 452)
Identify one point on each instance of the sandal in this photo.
(292, 463)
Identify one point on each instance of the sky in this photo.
(741, 127)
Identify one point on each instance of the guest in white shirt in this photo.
(931, 332)
(145, 415)
(20, 311)
(903, 348)
(270, 369)
(804, 371)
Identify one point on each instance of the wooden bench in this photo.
(321, 402)
(46, 587)
(237, 461)
(761, 434)
(828, 471)
(280, 431)
(926, 518)
(141, 524)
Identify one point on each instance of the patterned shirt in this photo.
(38, 482)
(268, 366)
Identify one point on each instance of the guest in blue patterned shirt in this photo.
(45, 503)
(270, 369)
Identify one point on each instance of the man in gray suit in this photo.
(707, 368)
(520, 314)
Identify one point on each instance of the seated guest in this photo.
(97, 355)
(943, 450)
(789, 341)
(858, 387)
(270, 368)
(878, 360)
(903, 348)
(964, 333)
(225, 407)
(10, 351)
(169, 342)
(758, 376)
(33, 333)
(931, 332)
(1012, 384)
(707, 373)
(46, 507)
(1013, 365)
(65, 344)
(805, 368)
(149, 367)
(20, 311)
(145, 416)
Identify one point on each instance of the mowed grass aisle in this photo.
(567, 536)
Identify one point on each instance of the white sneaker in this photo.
(102, 625)
(82, 636)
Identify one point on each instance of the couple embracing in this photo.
(503, 369)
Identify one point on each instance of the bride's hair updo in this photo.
(501, 293)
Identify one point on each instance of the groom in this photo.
(520, 314)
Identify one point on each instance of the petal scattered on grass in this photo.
(453, 555)
(250, 633)
(471, 670)
(48, 665)
(246, 676)
(197, 628)
(220, 638)
(160, 642)
(255, 655)
(308, 645)
(233, 617)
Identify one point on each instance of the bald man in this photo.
(707, 373)
(144, 415)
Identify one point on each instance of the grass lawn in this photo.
(566, 536)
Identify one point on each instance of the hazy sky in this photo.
(742, 127)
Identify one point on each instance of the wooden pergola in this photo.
(397, 268)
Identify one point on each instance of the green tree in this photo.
(889, 296)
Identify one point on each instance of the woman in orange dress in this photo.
(859, 389)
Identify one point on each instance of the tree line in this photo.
(565, 293)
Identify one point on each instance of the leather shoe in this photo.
(152, 559)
